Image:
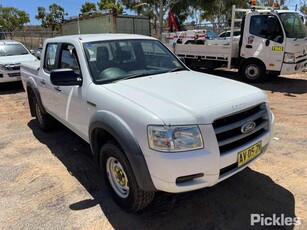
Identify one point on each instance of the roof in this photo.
(8, 42)
(278, 11)
(99, 37)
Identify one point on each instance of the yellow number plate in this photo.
(249, 153)
(277, 48)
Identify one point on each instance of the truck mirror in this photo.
(65, 77)
(272, 24)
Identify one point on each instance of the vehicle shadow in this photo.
(281, 84)
(228, 205)
(11, 88)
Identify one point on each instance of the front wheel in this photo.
(121, 181)
(45, 121)
(252, 71)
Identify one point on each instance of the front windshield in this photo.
(111, 61)
(12, 49)
(293, 25)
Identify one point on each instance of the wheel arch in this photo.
(244, 60)
(106, 126)
(245, 67)
(32, 91)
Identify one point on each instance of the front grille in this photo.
(14, 74)
(228, 129)
(12, 67)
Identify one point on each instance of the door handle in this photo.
(57, 88)
(249, 47)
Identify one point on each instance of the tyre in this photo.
(253, 71)
(121, 181)
(44, 120)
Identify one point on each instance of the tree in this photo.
(88, 7)
(219, 12)
(11, 18)
(110, 5)
(303, 7)
(52, 20)
(157, 8)
(282, 3)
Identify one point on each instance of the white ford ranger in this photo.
(152, 123)
(12, 53)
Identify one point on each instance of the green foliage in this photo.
(88, 7)
(11, 18)
(303, 9)
(110, 6)
(282, 3)
(156, 9)
(53, 19)
(219, 10)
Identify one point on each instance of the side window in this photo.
(68, 58)
(258, 27)
(50, 62)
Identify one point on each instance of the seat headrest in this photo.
(102, 54)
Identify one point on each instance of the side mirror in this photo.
(65, 77)
(272, 24)
(32, 52)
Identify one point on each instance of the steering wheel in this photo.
(111, 73)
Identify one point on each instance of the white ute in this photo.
(12, 53)
(152, 123)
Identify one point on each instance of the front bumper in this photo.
(293, 68)
(166, 168)
(10, 76)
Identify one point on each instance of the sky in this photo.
(72, 7)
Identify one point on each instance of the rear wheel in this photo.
(121, 181)
(252, 71)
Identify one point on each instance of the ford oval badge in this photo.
(248, 127)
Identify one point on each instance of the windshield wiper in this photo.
(131, 76)
(176, 69)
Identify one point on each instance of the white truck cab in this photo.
(277, 38)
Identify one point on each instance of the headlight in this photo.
(289, 58)
(2, 67)
(174, 138)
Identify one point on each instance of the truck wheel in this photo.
(121, 181)
(45, 121)
(252, 71)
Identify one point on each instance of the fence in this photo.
(31, 38)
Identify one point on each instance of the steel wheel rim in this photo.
(252, 72)
(39, 114)
(117, 177)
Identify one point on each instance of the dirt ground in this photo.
(49, 180)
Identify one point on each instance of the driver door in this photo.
(260, 43)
